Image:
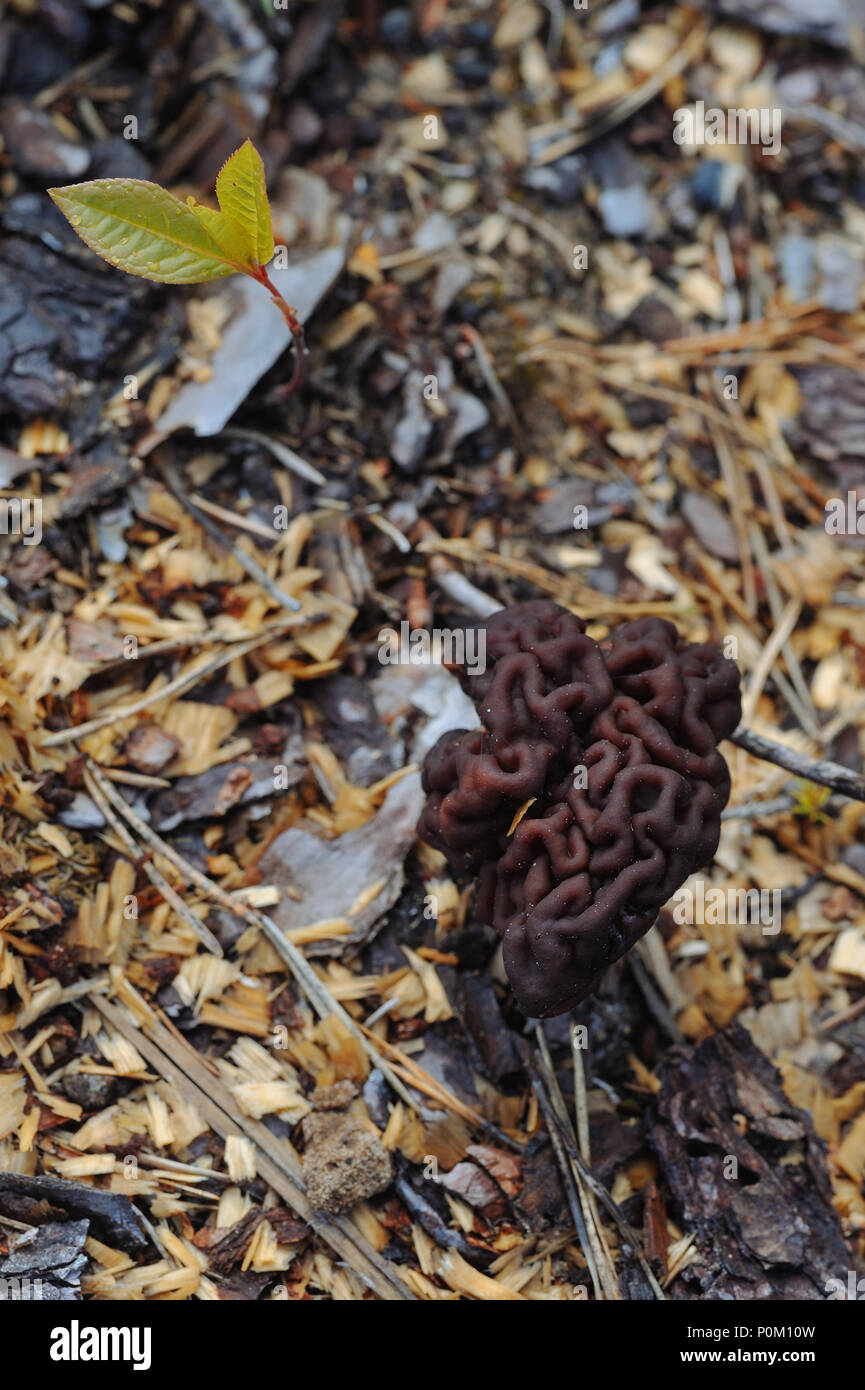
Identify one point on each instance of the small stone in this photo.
(89, 1091)
(37, 146)
(435, 232)
(396, 28)
(471, 68)
(796, 257)
(411, 432)
(478, 32)
(116, 158)
(82, 814)
(711, 526)
(626, 212)
(344, 1163)
(110, 527)
(454, 276)
(562, 180)
(624, 204)
(840, 271)
(335, 1097)
(304, 124)
(716, 183)
(149, 749)
(654, 319)
(617, 15)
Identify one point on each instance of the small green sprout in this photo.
(809, 802)
(142, 228)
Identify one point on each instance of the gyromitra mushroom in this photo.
(591, 791)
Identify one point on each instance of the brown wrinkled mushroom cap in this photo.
(583, 874)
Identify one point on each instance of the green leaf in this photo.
(139, 227)
(242, 195)
(235, 242)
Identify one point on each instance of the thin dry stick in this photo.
(282, 453)
(178, 686)
(804, 706)
(246, 562)
(797, 319)
(633, 101)
(604, 1272)
(717, 584)
(243, 523)
(623, 1226)
(750, 810)
(137, 779)
(208, 638)
(843, 1016)
(763, 465)
(571, 1189)
(164, 647)
(581, 1109)
(736, 499)
(416, 1076)
(95, 783)
(819, 770)
(655, 1002)
(313, 987)
(564, 245)
(451, 580)
(696, 348)
(174, 1165)
(848, 133)
(496, 390)
(276, 1162)
(406, 1066)
(573, 353)
(581, 1113)
(565, 590)
(769, 655)
(724, 257)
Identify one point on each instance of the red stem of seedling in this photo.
(295, 328)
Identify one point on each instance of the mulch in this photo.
(552, 353)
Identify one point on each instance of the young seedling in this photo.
(143, 229)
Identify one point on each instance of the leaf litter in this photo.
(201, 963)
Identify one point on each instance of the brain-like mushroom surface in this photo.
(605, 755)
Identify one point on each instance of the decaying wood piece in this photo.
(110, 1215)
(747, 1174)
(45, 1264)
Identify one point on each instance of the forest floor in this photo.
(553, 351)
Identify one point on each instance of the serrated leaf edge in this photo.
(256, 243)
(220, 257)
